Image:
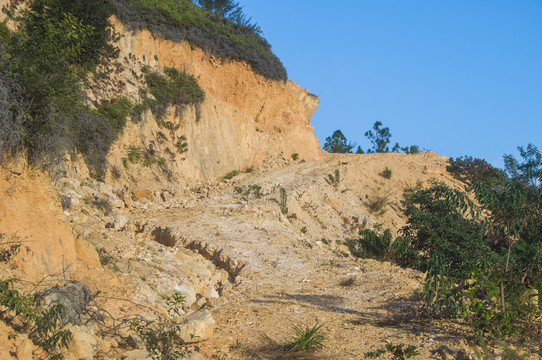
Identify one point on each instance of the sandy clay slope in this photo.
(294, 270)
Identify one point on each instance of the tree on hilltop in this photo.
(337, 143)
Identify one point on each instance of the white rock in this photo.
(197, 326)
(84, 344)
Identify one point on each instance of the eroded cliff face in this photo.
(244, 119)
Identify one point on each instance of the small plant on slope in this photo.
(283, 202)
(161, 337)
(306, 339)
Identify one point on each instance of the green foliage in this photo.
(231, 174)
(334, 180)
(44, 62)
(398, 351)
(380, 139)
(471, 170)
(181, 144)
(115, 113)
(381, 247)
(173, 88)
(412, 149)
(295, 156)
(377, 203)
(448, 246)
(337, 143)
(134, 154)
(9, 247)
(386, 174)
(44, 324)
(161, 337)
(283, 201)
(250, 190)
(220, 36)
(304, 229)
(530, 170)
(306, 339)
(484, 260)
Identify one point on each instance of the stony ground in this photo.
(262, 252)
(293, 270)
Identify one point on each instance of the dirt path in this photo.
(288, 269)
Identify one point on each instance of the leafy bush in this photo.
(115, 113)
(44, 61)
(43, 325)
(212, 32)
(481, 267)
(295, 156)
(175, 88)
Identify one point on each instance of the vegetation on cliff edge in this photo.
(205, 27)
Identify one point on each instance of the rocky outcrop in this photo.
(244, 119)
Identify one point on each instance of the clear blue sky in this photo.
(454, 76)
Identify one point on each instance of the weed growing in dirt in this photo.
(334, 180)
(181, 144)
(377, 203)
(295, 156)
(306, 339)
(231, 174)
(386, 174)
(283, 201)
(248, 191)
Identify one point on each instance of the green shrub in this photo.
(222, 37)
(174, 88)
(306, 339)
(283, 201)
(334, 180)
(377, 203)
(386, 174)
(181, 144)
(382, 247)
(44, 61)
(247, 191)
(115, 113)
(295, 156)
(231, 174)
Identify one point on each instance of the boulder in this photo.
(84, 344)
(197, 326)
